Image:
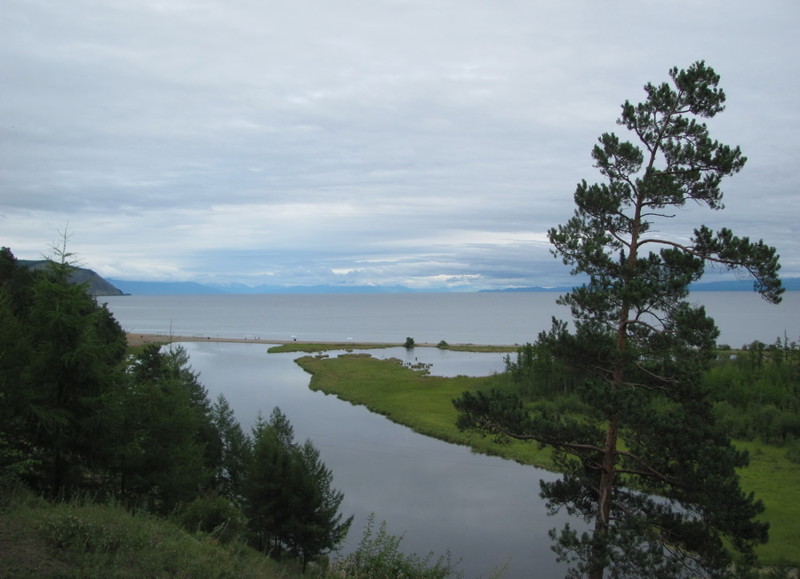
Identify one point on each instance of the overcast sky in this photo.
(424, 143)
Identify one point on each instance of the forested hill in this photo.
(97, 285)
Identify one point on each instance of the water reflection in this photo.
(485, 510)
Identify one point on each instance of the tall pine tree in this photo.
(646, 467)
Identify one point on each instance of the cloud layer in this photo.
(393, 142)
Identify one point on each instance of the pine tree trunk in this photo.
(604, 500)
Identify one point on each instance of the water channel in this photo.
(485, 510)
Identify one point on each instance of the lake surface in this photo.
(479, 318)
(485, 510)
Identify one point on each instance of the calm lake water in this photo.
(485, 510)
(480, 318)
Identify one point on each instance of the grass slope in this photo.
(424, 403)
(84, 539)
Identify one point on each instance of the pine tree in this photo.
(646, 465)
(289, 500)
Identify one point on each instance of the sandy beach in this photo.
(142, 339)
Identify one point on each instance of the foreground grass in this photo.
(424, 403)
(84, 539)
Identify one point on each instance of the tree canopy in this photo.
(289, 497)
(80, 413)
(645, 464)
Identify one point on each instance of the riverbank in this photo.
(136, 340)
(424, 404)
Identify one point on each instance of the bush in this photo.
(409, 343)
(214, 515)
(378, 555)
(793, 452)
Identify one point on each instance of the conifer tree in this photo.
(157, 420)
(289, 500)
(646, 467)
(233, 450)
(76, 348)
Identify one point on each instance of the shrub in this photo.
(409, 343)
(793, 452)
(215, 515)
(378, 555)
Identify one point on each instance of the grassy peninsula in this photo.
(424, 403)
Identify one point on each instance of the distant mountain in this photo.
(96, 285)
(164, 288)
(791, 284)
(150, 288)
(513, 290)
(316, 289)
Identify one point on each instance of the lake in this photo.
(479, 318)
(439, 496)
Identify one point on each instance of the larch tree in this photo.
(76, 348)
(646, 466)
(233, 450)
(289, 500)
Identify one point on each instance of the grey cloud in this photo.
(394, 140)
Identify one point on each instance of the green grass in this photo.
(313, 347)
(776, 481)
(424, 403)
(411, 398)
(85, 539)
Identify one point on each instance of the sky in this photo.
(421, 143)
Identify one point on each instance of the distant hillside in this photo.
(96, 285)
(791, 284)
(154, 288)
(164, 288)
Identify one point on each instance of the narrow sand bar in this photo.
(142, 339)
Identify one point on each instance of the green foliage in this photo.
(160, 429)
(756, 391)
(639, 351)
(61, 353)
(540, 374)
(233, 450)
(78, 416)
(412, 398)
(424, 404)
(378, 556)
(215, 515)
(793, 452)
(289, 501)
(409, 343)
(84, 539)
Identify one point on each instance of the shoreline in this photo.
(138, 339)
